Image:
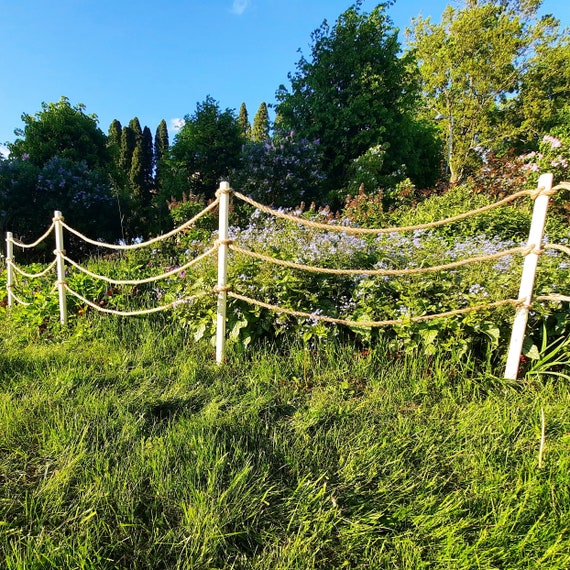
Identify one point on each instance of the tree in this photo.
(114, 135)
(63, 131)
(161, 147)
(147, 150)
(128, 145)
(62, 162)
(353, 93)
(544, 93)
(472, 66)
(243, 121)
(135, 126)
(260, 131)
(205, 150)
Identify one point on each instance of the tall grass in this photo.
(123, 445)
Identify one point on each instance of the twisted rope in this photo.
(152, 241)
(523, 250)
(37, 242)
(371, 324)
(376, 231)
(558, 247)
(147, 279)
(32, 275)
(17, 299)
(554, 297)
(172, 305)
(561, 186)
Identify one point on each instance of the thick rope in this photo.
(376, 231)
(371, 324)
(33, 275)
(523, 250)
(562, 186)
(147, 279)
(17, 299)
(37, 242)
(172, 305)
(554, 297)
(152, 241)
(558, 247)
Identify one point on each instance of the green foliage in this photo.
(355, 92)
(243, 121)
(508, 223)
(204, 152)
(161, 146)
(260, 131)
(60, 130)
(473, 67)
(128, 143)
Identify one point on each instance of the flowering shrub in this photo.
(281, 171)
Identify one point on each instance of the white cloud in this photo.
(240, 6)
(176, 124)
(4, 151)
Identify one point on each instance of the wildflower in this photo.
(477, 289)
(552, 141)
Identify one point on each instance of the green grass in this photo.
(123, 445)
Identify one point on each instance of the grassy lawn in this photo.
(123, 445)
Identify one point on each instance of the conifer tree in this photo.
(243, 121)
(260, 131)
(161, 145)
(114, 137)
(147, 160)
(136, 175)
(135, 125)
(128, 144)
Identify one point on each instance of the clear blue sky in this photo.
(156, 60)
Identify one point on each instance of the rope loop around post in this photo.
(220, 242)
(224, 188)
(543, 191)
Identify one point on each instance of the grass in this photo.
(123, 445)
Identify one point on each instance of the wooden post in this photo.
(528, 275)
(224, 196)
(9, 267)
(60, 262)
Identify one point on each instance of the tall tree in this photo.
(472, 65)
(61, 130)
(353, 93)
(62, 162)
(135, 126)
(147, 160)
(128, 145)
(114, 136)
(205, 150)
(161, 146)
(243, 121)
(260, 131)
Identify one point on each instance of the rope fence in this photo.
(223, 245)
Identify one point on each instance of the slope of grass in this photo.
(123, 445)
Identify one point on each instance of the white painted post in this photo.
(60, 262)
(9, 267)
(224, 196)
(528, 275)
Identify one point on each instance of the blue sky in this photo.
(156, 60)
